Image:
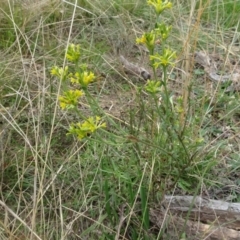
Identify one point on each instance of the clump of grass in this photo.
(223, 13)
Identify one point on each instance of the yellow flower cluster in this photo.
(84, 129)
(153, 87)
(83, 78)
(70, 99)
(165, 59)
(73, 53)
(160, 5)
(148, 39)
(60, 72)
(158, 35)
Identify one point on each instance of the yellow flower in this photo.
(73, 53)
(75, 78)
(148, 39)
(84, 129)
(87, 78)
(83, 78)
(163, 30)
(60, 72)
(91, 124)
(70, 99)
(54, 71)
(142, 39)
(165, 59)
(153, 87)
(159, 5)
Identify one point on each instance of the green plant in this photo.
(176, 141)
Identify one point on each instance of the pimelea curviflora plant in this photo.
(161, 56)
(79, 78)
(178, 143)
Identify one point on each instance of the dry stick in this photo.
(121, 221)
(193, 230)
(206, 218)
(134, 69)
(205, 61)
